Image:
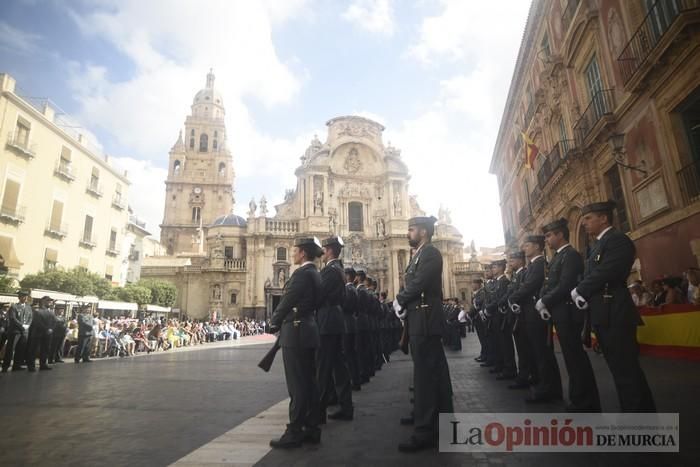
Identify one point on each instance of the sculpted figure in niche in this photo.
(352, 163)
(263, 206)
(318, 202)
(252, 207)
(397, 204)
(216, 294)
(281, 278)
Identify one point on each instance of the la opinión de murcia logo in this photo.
(559, 432)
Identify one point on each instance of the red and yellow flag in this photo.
(531, 151)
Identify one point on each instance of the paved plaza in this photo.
(212, 406)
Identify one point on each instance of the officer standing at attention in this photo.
(518, 327)
(58, 337)
(19, 318)
(493, 310)
(614, 317)
(85, 331)
(332, 368)
(363, 328)
(350, 331)
(539, 331)
(420, 303)
(565, 271)
(295, 319)
(40, 335)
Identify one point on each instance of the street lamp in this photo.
(617, 141)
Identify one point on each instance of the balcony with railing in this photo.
(95, 189)
(234, 264)
(13, 214)
(689, 181)
(118, 201)
(87, 242)
(21, 146)
(568, 15)
(659, 19)
(602, 105)
(112, 250)
(551, 163)
(64, 170)
(281, 227)
(56, 229)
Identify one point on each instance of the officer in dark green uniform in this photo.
(565, 271)
(333, 373)
(494, 310)
(363, 327)
(516, 321)
(40, 331)
(295, 319)
(614, 317)
(420, 302)
(19, 318)
(350, 329)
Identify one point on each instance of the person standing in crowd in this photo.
(640, 296)
(420, 303)
(525, 365)
(58, 336)
(693, 276)
(299, 338)
(332, 367)
(40, 333)
(19, 318)
(350, 329)
(613, 315)
(564, 273)
(493, 312)
(478, 298)
(539, 325)
(85, 334)
(363, 328)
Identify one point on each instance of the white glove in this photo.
(482, 315)
(544, 314)
(579, 301)
(514, 307)
(462, 317)
(397, 310)
(400, 315)
(539, 306)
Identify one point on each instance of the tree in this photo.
(163, 293)
(7, 284)
(76, 281)
(135, 294)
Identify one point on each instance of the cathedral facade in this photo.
(351, 184)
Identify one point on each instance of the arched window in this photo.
(222, 167)
(233, 299)
(355, 217)
(281, 254)
(196, 214)
(176, 167)
(192, 139)
(215, 142)
(203, 142)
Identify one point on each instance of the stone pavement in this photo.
(213, 406)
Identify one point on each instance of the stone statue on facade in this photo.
(281, 278)
(252, 207)
(263, 206)
(397, 204)
(332, 222)
(318, 202)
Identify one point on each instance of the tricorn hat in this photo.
(604, 206)
(23, 293)
(312, 243)
(334, 240)
(499, 263)
(555, 225)
(422, 220)
(517, 255)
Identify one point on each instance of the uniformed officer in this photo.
(85, 334)
(350, 329)
(332, 367)
(565, 271)
(295, 319)
(19, 318)
(494, 312)
(510, 369)
(539, 330)
(420, 302)
(40, 333)
(478, 299)
(363, 328)
(614, 317)
(518, 327)
(375, 319)
(58, 337)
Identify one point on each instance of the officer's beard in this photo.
(413, 243)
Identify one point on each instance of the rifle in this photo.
(269, 357)
(403, 342)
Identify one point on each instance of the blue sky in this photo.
(435, 73)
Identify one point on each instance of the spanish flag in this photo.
(531, 151)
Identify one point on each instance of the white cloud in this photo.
(172, 46)
(17, 41)
(147, 190)
(376, 16)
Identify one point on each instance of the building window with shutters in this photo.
(203, 142)
(196, 214)
(10, 210)
(192, 139)
(355, 223)
(281, 254)
(233, 298)
(50, 259)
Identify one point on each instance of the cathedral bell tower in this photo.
(199, 187)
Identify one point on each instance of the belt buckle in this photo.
(296, 322)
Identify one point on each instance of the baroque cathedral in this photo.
(350, 185)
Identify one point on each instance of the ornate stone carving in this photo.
(397, 203)
(263, 206)
(353, 164)
(252, 207)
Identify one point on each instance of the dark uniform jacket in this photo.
(350, 309)
(330, 313)
(423, 281)
(515, 282)
(565, 271)
(363, 304)
(43, 321)
(604, 282)
(20, 315)
(528, 292)
(85, 324)
(303, 292)
(499, 295)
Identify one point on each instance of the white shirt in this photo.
(538, 256)
(499, 277)
(518, 271)
(600, 235)
(305, 263)
(559, 250)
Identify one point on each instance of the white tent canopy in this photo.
(157, 309)
(110, 305)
